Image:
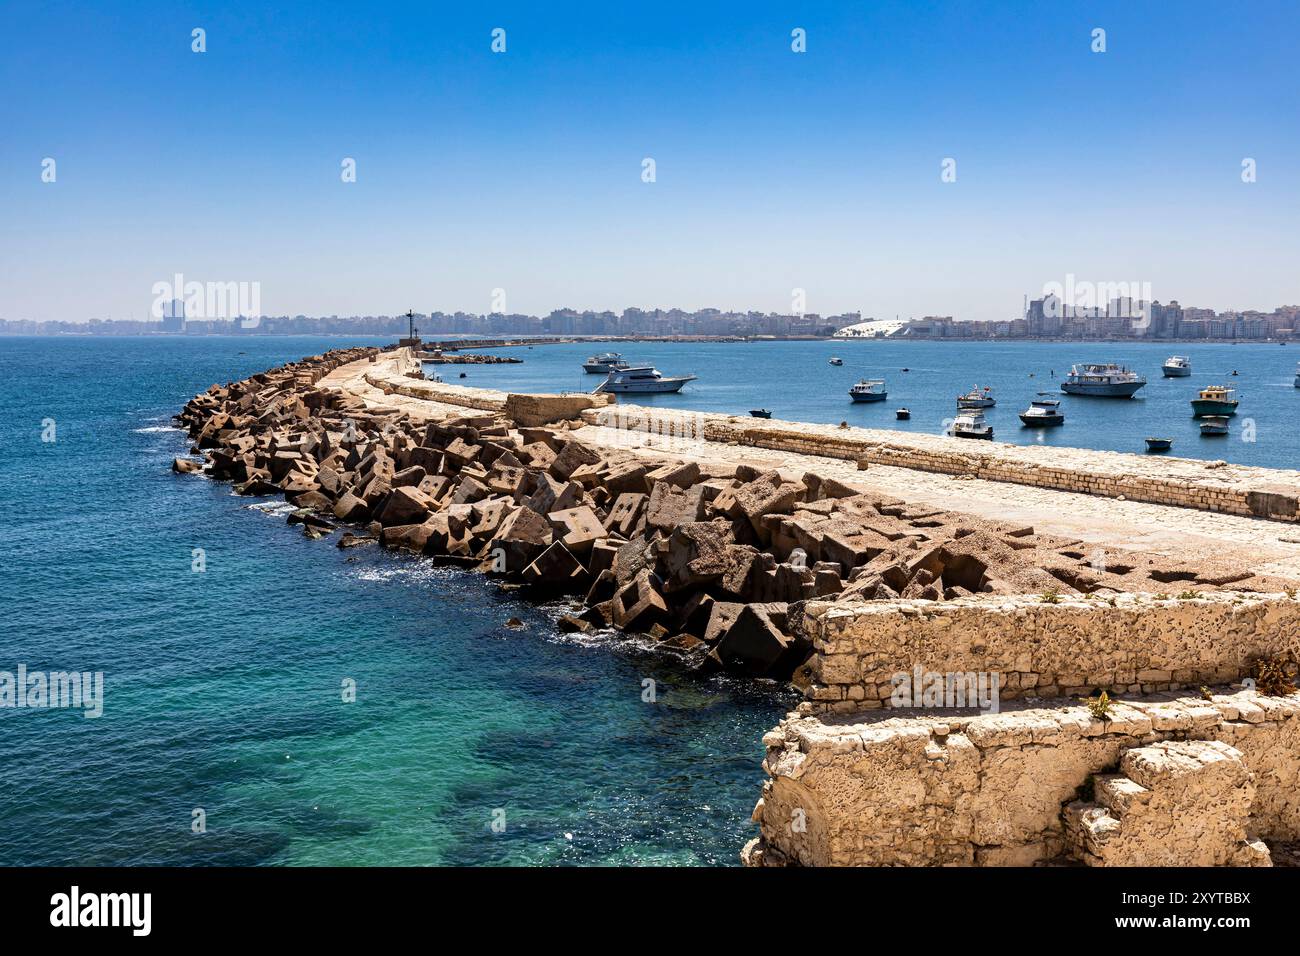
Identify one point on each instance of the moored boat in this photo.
(603, 363)
(1215, 400)
(977, 398)
(970, 423)
(642, 379)
(760, 412)
(903, 414)
(1104, 380)
(1177, 366)
(1214, 425)
(1159, 444)
(836, 360)
(869, 390)
(1296, 382)
(1043, 412)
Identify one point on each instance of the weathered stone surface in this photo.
(405, 505)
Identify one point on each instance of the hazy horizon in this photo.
(522, 171)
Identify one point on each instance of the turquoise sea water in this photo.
(223, 688)
(795, 381)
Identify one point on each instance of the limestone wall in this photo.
(928, 789)
(1139, 645)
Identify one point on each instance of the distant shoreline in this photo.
(506, 340)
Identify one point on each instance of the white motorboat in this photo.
(977, 398)
(1177, 366)
(1214, 425)
(869, 390)
(1106, 380)
(1043, 412)
(604, 363)
(642, 379)
(836, 360)
(970, 423)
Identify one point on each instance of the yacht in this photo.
(869, 390)
(970, 423)
(1215, 425)
(1043, 412)
(603, 363)
(836, 360)
(1177, 366)
(1214, 400)
(1106, 380)
(977, 398)
(642, 379)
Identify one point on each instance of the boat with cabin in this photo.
(869, 390)
(1043, 413)
(603, 363)
(1177, 366)
(836, 360)
(1215, 400)
(1102, 379)
(970, 423)
(977, 398)
(642, 379)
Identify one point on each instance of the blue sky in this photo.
(522, 170)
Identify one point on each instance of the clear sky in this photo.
(522, 170)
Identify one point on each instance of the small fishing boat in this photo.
(603, 363)
(977, 398)
(1214, 400)
(869, 390)
(1159, 444)
(642, 380)
(1042, 413)
(970, 423)
(1214, 425)
(1177, 366)
(760, 412)
(835, 360)
(903, 414)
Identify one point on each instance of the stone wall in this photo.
(1139, 644)
(930, 789)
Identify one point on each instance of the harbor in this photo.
(795, 381)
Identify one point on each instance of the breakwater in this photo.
(729, 564)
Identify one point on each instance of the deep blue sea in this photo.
(795, 381)
(223, 688)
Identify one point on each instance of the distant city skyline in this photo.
(910, 161)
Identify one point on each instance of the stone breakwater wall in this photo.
(1138, 644)
(1166, 780)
